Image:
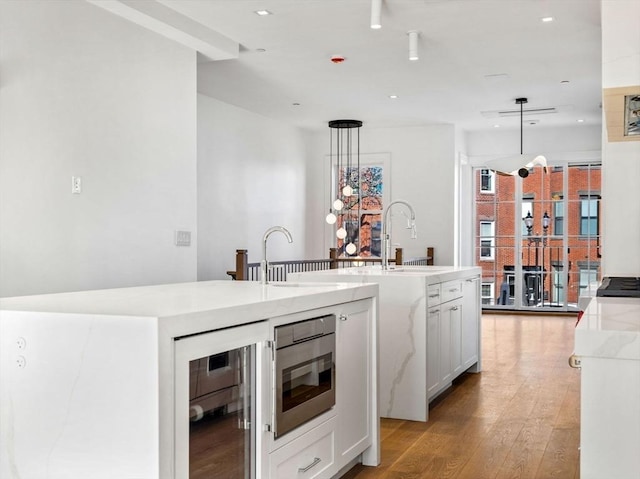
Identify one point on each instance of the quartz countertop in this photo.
(434, 274)
(188, 308)
(609, 328)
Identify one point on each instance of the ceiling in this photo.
(475, 58)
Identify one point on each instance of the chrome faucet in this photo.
(411, 224)
(264, 264)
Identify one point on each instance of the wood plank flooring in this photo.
(518, 419)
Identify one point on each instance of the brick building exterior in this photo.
(572, 217)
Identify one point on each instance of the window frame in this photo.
(491, 178)
(490, 238)
(492, 293)
(591, 199)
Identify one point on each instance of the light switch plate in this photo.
(183, 238)
(76, 185)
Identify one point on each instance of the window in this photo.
(487, 240)
(487, 293)
(588, 275)
(365, 234)
(589, 216)
(558, 217)
(487, 181)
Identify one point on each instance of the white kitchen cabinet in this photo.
(455, 311)
(471, 323)
(444, 336)
(434, 378)
(312, 455)
(354, 380)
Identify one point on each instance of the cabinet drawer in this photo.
(433, 295)
(311, 455)
(451, 290)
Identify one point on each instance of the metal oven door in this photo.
(305, 373)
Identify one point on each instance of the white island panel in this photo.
(404, 354)
(88, 378)
(607, 341)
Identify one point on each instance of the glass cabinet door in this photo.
(220, 415)
(215, 406)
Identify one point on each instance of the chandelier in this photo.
(344, 185)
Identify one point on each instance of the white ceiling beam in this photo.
(171, 24)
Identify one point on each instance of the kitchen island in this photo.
(607, 345)
(429, 330)
(96, 384)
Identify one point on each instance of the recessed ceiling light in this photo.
(580, 120)
(296, 104)
(393, 97)
(263, 13)
(261, 50)
(564, 82)
(547, 19)
(496, 126)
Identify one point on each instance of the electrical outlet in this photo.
(76, 185)
(183, 238)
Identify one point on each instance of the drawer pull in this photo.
(434, 311)
(455, 308)
(575, 361)
(343, 317)
(453, 290)
(434, 295)
(315, 462)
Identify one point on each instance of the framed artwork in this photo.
(622, 113)
(631, 115)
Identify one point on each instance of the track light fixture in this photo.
(413, 45)
(376, 9)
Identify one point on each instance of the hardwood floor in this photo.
(519, 418)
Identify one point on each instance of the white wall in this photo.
(557, 144)
(621, 161)
(85, 93)
(422, 163)
(251, 176)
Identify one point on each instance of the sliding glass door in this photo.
(537, 238)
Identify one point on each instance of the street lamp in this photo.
(528, 222)
(536, 240)
(545, 223)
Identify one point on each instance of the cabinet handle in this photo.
(315, 462)
(434, 311)
(453, 290)
(575, 361)
(472, 280)
(434, 295)
(343, 317)
(454, 308)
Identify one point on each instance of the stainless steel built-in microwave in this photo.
(304, 371)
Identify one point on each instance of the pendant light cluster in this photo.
(344, 193)
(376, 24)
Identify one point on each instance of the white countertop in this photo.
(609, 328)
(187, 308)
(435, 274)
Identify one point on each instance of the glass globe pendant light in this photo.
(344, 188)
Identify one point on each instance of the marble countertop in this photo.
(187, 308)
(433, 274)
(609, 328)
